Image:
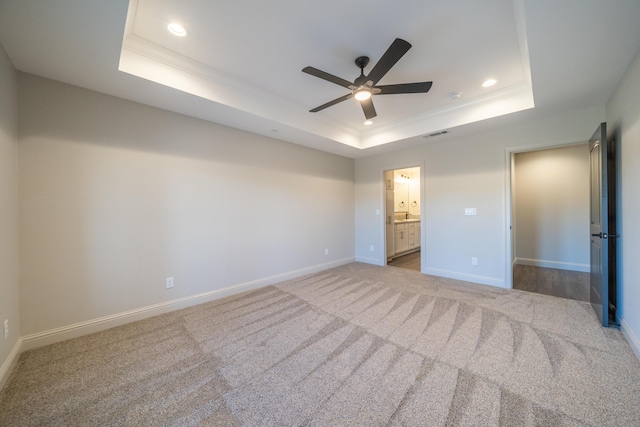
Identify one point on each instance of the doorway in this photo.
(550, 221)
(402, 218)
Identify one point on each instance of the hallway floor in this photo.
(550, 281)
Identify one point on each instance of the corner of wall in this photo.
(9, 285)
(10, 363)
(631, 338)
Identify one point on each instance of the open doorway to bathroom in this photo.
(402, 214)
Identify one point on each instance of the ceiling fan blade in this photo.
(421, 87)
(328, 77)
(369, 110)
(330, 103)
(397, 49)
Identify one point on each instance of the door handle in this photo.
(601, 235)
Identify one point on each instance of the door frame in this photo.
(509, 219)
(382, 202)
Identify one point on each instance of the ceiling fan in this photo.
(364, 87)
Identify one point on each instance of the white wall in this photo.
(552, 207)
(464, 172)
(9, 292)
(117, 196)
(623, 113)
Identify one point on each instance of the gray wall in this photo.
(9, 292)
(116, 196)
(552, 208)
(471, 171)
(623, 113)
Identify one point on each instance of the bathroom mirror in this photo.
(407, 190)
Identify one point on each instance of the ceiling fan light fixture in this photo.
(362, 94)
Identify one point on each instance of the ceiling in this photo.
(241, 65)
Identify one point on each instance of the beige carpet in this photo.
(358, 345)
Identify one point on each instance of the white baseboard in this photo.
(95, 325)
(483, 280)
(632, 339)
(374, 261)
(10, 363)
(585, 268)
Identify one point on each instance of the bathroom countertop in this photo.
(403, 221)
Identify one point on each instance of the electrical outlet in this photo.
(470, 211)
(474, 261)
(370, 248)
(6, 329)
(326, 251)
(169, 282)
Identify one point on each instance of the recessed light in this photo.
(489, 83)
(368, 123)
(455, 95)
(177, 29)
